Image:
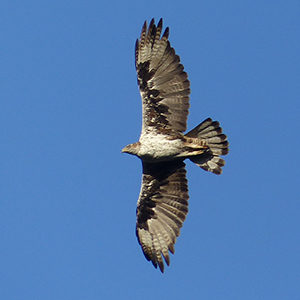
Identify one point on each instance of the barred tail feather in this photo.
(211, 132)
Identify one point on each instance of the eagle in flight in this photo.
(163, 201)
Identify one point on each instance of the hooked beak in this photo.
(125, 150)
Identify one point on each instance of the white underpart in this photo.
(157, 147)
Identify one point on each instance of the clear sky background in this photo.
(70, 102)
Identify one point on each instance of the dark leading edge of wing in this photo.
(162, 81)
(162, 208)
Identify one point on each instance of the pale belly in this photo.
(159, 148)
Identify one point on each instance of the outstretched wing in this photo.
(163, 84)
(161, 209)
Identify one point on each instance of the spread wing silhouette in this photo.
(163, 201)
(163, 84)
(161, 210)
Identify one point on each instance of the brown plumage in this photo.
(163, 201)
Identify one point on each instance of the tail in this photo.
(211, 132)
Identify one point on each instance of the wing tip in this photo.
(166, 33)
(160, 23)
(151, 22)
(144, 25)
(152, 26)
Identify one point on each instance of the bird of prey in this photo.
(163, 201)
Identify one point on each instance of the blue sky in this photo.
(70, 102)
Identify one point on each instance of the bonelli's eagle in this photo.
(163, 201)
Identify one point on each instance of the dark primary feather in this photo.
(162, 81)
(162, 208)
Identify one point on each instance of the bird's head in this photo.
(132, 148)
